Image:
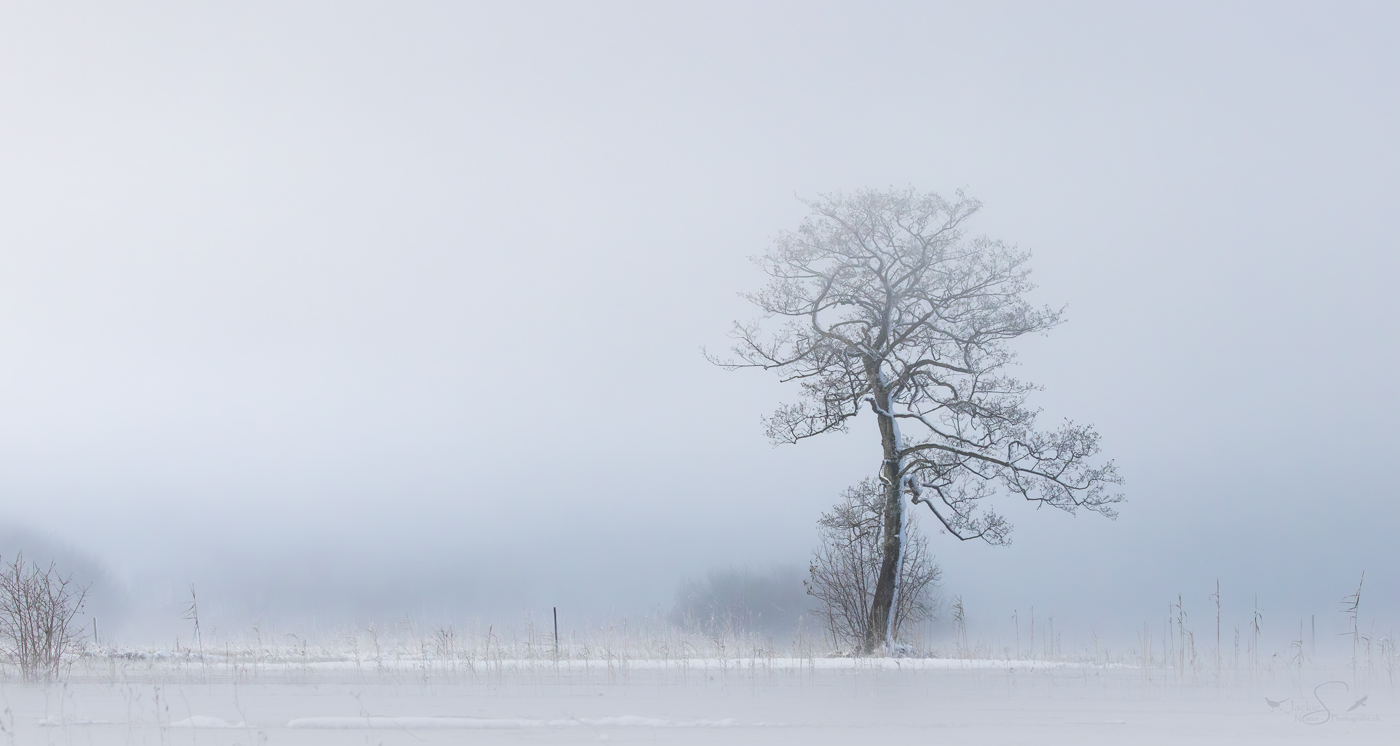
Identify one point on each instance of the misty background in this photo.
(342, 311)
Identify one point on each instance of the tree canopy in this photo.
(882, 302)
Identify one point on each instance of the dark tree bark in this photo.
(887, 583)
(847, 563)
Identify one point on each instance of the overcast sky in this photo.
(399, 306)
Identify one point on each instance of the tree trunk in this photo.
(881, 626)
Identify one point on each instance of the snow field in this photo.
(779, 700)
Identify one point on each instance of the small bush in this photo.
(37, 610)
(846, 565)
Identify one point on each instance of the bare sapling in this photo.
(1255, 628)
(846, 566)
(1216, 598)
(1016, 622)
(1181, 646)
(1297, 646)
(1353, 606)
(37, 613)
(960, 626)
(192, 615)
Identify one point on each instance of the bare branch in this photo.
(885, 301)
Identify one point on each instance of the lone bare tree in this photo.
(886, 304)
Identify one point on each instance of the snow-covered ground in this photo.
(285, 699)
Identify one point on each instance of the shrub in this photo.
(37, 610)
(846, 565)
